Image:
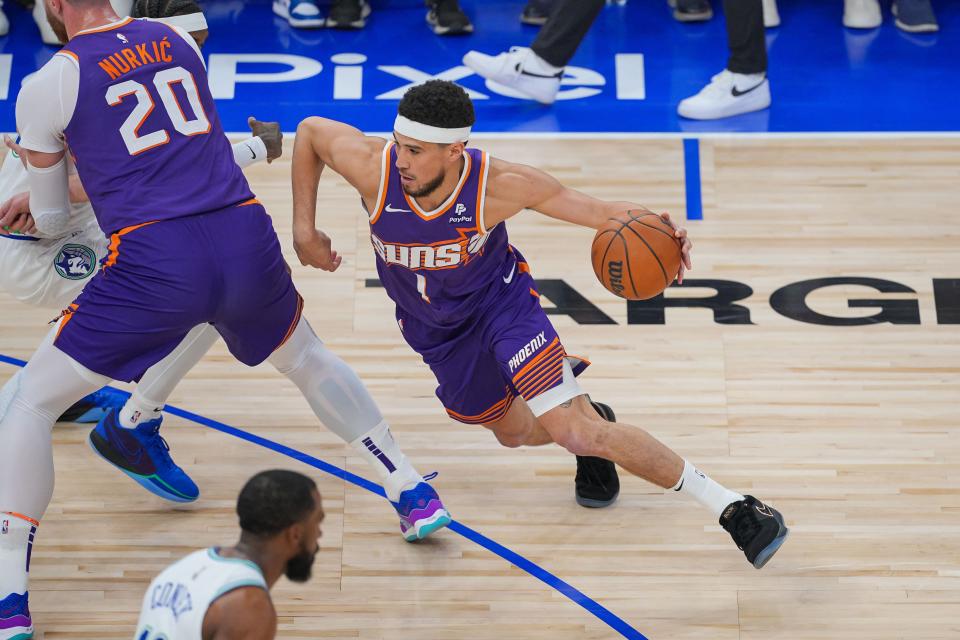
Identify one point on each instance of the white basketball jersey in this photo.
(44, 271)
(177, 599)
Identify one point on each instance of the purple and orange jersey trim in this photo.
(66, 316)
(115, 240)
(384, 183)
(296, 321)
(541, 373)
(494, 413)
(431, 215)
(108, 27)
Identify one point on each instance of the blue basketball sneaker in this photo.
(144, 455)
(421, 512)
(15, 622)
(93, 408)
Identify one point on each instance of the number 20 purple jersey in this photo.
(145, 132)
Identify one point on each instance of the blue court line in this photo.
(598, 610)
(691, 163)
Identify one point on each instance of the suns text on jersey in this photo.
(446, 254)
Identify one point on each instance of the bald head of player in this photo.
(433, 125)
(67, 17)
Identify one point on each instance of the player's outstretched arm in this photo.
(518, 186)
(513, 187)
(242, 614)
(320, 143)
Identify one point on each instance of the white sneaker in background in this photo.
(771, 17)
(46, 31)
(301, 14)
(728, 94)
(861, 14)
(519, 69)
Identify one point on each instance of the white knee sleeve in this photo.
(333, 389)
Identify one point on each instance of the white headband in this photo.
(429, 133)
(190, 22)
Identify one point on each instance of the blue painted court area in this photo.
(575, 595)
(633, 68)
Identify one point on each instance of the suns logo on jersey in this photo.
(446, 254)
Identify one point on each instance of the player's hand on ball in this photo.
(686, 245)
(271, 135)
(313, 249)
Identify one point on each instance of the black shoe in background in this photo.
(536, 12)
(691, 10)
(446, 18)
(348, 14)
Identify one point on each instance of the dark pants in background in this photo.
(570, 20)
(745, 33)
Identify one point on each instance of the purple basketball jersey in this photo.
(436, 265)
(145, 132)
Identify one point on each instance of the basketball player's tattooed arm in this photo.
(511, 188)
(356, 157)
(242, 614)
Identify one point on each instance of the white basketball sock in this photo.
(151, 394)
(384, 456)
(704, 490)
(16, 543)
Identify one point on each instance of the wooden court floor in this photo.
(853, 432)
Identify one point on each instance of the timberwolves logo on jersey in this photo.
(75, 261)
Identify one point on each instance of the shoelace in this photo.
(159, 446)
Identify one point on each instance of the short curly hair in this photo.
(164, 8)
(273, 500)
(439, 103)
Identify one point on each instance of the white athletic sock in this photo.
(537, 64)
(384, 456)
(16, 543)
(704, 490)
(139, 409)
(148, 399)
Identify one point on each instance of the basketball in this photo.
(635, 255)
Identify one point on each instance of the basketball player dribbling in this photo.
(190, 245)
(465, 299)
